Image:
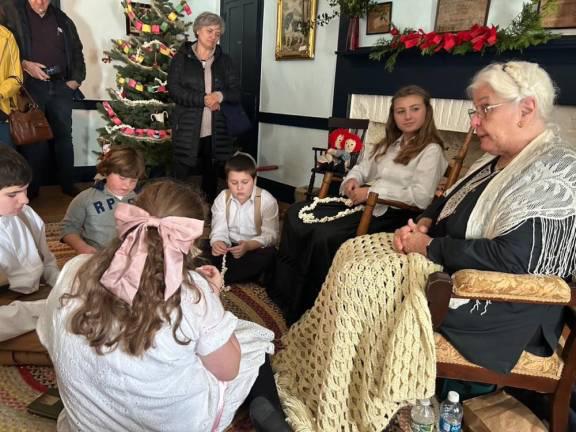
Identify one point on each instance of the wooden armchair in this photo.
(553, 375)
(451, 176)
(356, 126)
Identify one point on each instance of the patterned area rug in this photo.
(21, 385)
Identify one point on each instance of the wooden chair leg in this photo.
(311, 186)
(364, 224)
(325, 188)
(559, 411)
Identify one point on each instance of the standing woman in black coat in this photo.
(201, 77)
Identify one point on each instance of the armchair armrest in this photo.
(488, 285)
(369, 209)
(495, 286)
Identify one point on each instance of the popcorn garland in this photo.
(138, 133)
(224, 288)
(306, 216)
(132, 103)
(156, 28)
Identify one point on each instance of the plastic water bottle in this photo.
(451, 412)
(422, 416)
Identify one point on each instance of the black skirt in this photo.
(494, 335)
(306, 253)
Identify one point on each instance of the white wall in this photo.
(298, 87)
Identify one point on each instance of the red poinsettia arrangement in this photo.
(525, 30)
(478, 37)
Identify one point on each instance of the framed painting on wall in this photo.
(562, 15)
(379, 18)
(296, 29)
(460, 15)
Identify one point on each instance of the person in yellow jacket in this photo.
(10, 68)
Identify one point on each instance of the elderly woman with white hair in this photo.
(368, 342)
(201, 77)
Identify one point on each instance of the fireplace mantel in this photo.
(444, 75)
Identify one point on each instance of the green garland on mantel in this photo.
(525, 30)
(349, 8)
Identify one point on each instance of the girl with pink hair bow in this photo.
(139, 337)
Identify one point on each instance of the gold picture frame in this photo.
(296, 29)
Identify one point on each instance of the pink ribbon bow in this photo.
(122, 278)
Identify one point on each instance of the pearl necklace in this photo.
(306, 216)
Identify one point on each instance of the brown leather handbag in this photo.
(28, 124)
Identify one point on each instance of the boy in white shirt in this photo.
(244, 223)
(24, 254)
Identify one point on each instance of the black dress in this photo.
(306, 253)
(491, 334)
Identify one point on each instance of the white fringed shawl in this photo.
(540, 182)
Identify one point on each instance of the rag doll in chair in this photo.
(343, 150)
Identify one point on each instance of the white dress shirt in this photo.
(24, 253)
(241, 224)
(413, 184)
(24, 265)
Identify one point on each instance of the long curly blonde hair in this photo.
(107, 321)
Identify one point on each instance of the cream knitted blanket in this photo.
(366, 347)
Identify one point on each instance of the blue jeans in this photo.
(5, 134)
(55, 99)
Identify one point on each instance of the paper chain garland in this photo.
(138, 86)
(155, 28)
(127, 49)
(309, 218)
(138, 133)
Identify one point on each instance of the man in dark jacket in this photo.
(54, 68)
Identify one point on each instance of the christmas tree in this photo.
(139, 111)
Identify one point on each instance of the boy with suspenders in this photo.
(244, 223)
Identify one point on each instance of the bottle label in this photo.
(417, 427)
(446, 426)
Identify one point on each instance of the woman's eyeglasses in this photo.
(483, 110)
